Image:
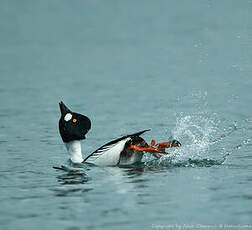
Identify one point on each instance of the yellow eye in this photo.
(74, 120)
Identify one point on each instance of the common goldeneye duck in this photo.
(125, 150)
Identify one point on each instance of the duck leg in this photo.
(156, 149)
(148, 149)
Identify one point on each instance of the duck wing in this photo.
(109, 154)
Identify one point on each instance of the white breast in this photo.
(74, 149)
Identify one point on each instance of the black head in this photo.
(72, 126)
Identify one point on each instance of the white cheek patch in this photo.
(68, 117)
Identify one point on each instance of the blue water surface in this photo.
(181, 68)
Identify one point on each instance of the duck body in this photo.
(118, 152)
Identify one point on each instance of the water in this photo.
(181, 68)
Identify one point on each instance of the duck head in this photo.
(72, 126)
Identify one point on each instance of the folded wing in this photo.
(109, 154)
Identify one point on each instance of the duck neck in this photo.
(74, 150)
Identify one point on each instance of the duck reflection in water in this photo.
(71, 175)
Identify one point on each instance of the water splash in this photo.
(196, 133)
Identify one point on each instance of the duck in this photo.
(125, 150)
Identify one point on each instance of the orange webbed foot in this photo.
(164, 145)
